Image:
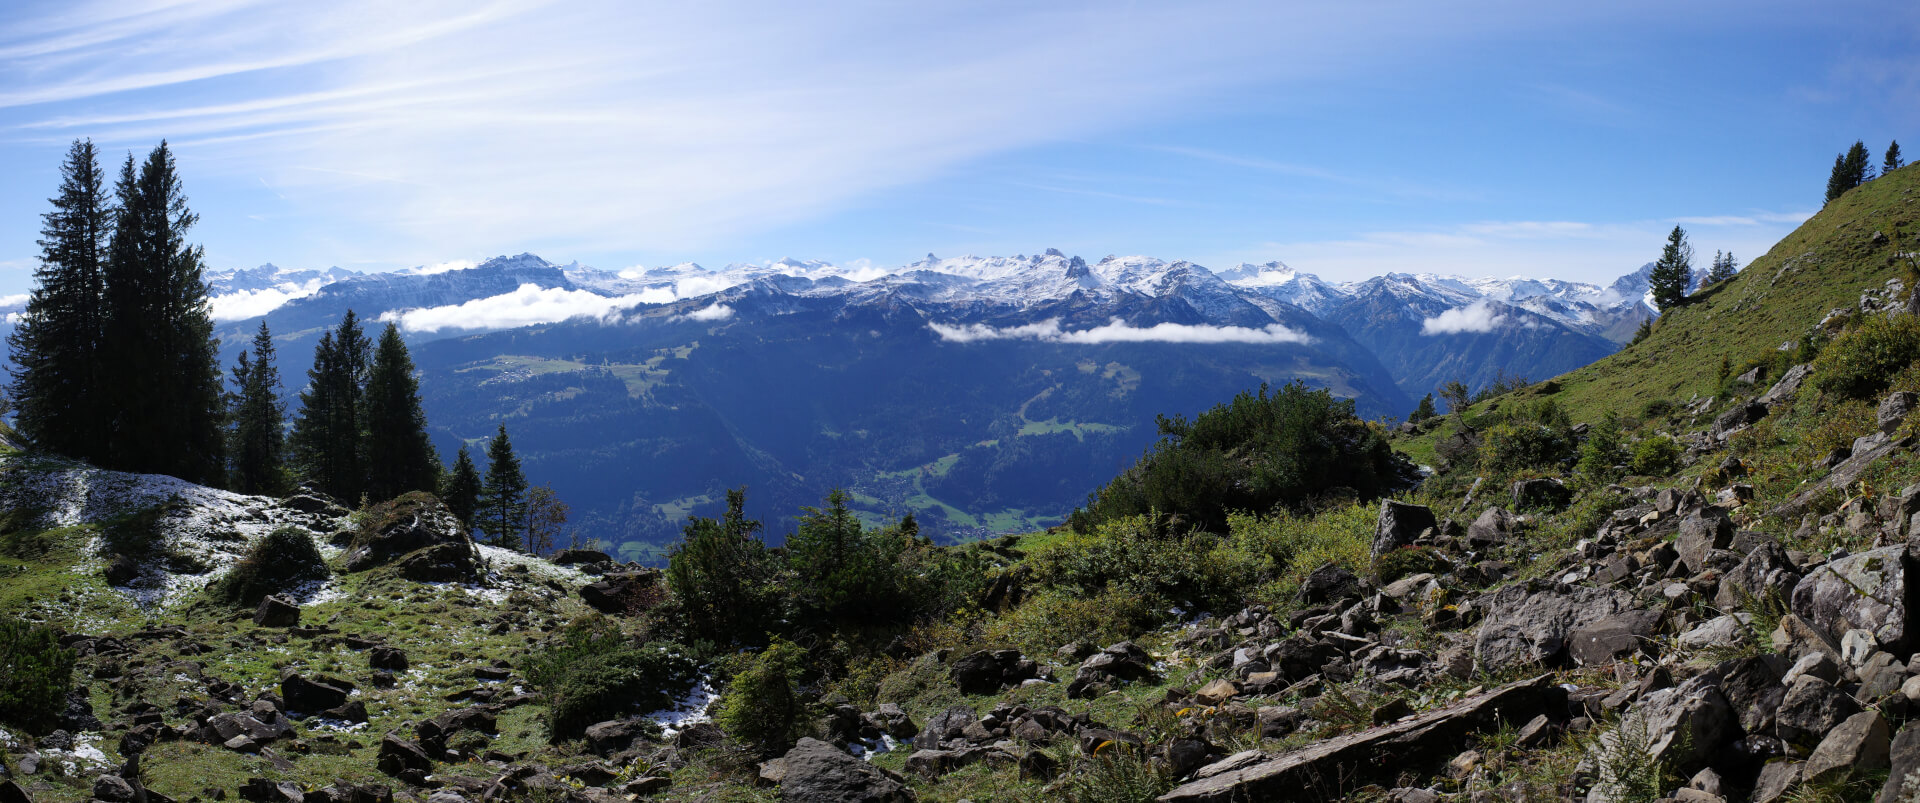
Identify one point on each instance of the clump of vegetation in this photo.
(1535, 436)
(1143, 556)
(763, 707)
(35, 674)
(1281, 448)
(1054, 617)
(723, 576)
(1298, 543)
(1862, 362)
(1407, 561)
(1656, 456)
(1603, 452)
(846, 573)
(1116, 774)
(284, 558)
(592, 672)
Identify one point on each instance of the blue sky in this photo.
(1475, 138)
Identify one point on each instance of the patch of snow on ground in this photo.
(315, 592)
(204, 526)
(84, 758)
(499, 559)
(319, 724)
(695, 707)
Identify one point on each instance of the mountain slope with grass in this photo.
(1859, 242)
(1634, 586)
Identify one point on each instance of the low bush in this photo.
(1861, 362)
(1298, 544)
(1602, 453)
(35, 674)
(1142, 556)
(1056, 617)
(1656, 456)
(592, 672)
(284, 558)
(1520, 445)
(763, 707)
(1286, 447)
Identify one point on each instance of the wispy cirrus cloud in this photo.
(425, 128)
(1592, 251)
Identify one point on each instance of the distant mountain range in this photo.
(982, 393)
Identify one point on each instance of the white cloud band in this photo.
(1118, 331)
(1479, 317)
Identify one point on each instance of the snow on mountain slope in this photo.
(521, 290)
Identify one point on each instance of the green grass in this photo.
(1823, 265)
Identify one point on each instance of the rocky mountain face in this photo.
(985, 394)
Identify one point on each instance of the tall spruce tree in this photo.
(503, 499)
(327, 437)
(259, 419)
(157, 345)
(57, 386)
(1893, 161)
(1670, 275)
(399, 456)
(1850, 169)
(461, 490)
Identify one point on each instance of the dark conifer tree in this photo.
(1424, 410)
(503, 499)
(1671, 273)
(1724, 268)
(259, 421)
(1893, 161)
(1850, 169)
(399, 456)
(157, 344)
(57, 386)
(461, 490)
(327, 437)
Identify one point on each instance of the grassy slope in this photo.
(1822, 265)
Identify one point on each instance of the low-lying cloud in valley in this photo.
(529, 305)
(1479, 317)
(243, 304)
(1119, 331)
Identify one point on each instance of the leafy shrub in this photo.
(1056, 617)
(1860, 363)
(1656, 456)
(1116, 774)
(1837, 426)
(1519, 445)
(284, 558)
(763, 707)
(1141, 555)
(1258, 452)
(592, 672)
(35, 674)
(1656, 409)
(1298, 544)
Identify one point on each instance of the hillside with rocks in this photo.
(1630, 583)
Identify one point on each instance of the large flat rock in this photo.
(1330, 768)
